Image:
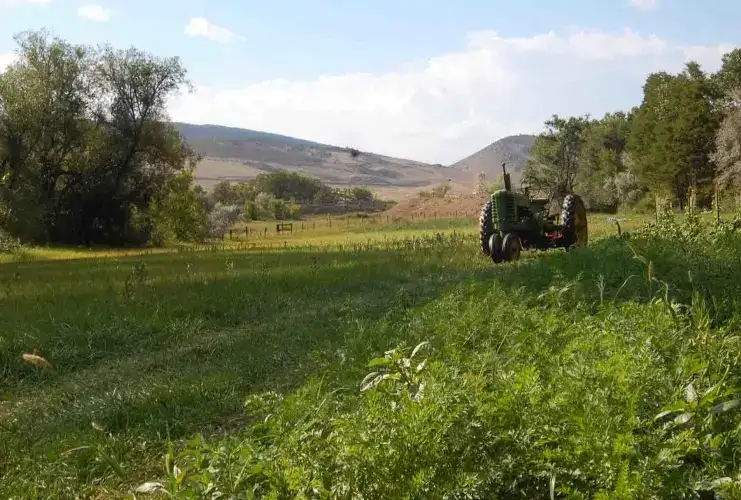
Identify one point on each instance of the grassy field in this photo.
(334, 231)
(268, 369)
(314, 233)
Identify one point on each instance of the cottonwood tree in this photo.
(555, 156)
(727, 155)
(226, 193)
(728, 78)
(87, 153)
(672, 134)
(601, 160)
(44, 98)
(221, 218)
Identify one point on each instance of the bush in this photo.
(251, 211)
(438, 191)
(267, 205)
(221, 218)
(646, 204)
(8, 242)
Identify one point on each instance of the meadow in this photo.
(388, 360)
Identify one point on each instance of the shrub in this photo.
(221, 218)
(8, 243)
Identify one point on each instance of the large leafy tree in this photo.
(87, 153)
(285, 185)
(728, 78)
(226, 193)
(727, 155)
(555, 156)
(602, 160)
(44, 99)
(672, 133)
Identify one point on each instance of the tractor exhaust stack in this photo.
(505, 176)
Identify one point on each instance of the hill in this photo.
(239, 154)
(199, 132)
(513, 150)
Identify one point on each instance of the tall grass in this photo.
(409, 368)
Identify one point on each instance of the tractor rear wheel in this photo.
(511, 247)
(486, 228)
(495, 247)
(574, 220)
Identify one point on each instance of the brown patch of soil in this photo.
(449, 206)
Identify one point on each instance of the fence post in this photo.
(230, 234)
(717, 204)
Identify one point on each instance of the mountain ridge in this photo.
(513, 150)
(199, 131)
(238, 154)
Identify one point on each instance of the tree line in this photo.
(283, 189)
(280, 195)
(684, 135)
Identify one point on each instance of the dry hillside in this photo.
(240, 154)
(513, 150)
(456, 205)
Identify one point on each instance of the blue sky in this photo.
(403, 78)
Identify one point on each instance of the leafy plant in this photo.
(398, 372)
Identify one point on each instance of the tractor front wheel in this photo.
(486, 229)
(574, 221)
(495, 246)
(511, 247)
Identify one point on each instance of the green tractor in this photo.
(513, 221)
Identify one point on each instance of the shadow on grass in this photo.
(179, 347)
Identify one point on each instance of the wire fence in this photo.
(404, 242)
(329, 224)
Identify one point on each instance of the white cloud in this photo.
(95, 12)
(455, 103)
(645, 4)
(199, 26)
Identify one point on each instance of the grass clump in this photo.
(390, 369)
